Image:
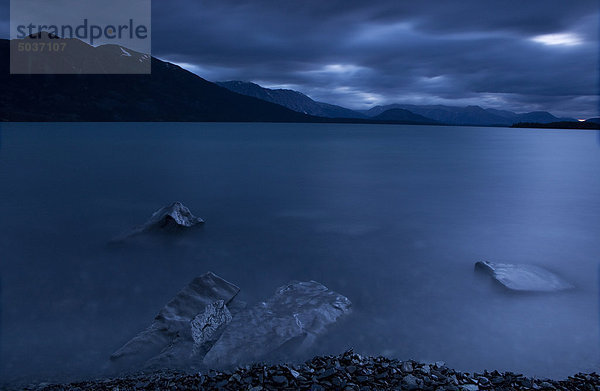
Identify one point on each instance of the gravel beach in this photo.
(349, 371)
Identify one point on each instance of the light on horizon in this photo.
(560, 39)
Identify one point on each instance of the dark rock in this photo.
(497, 380)
(280, 379)
(410, 382)
(327, 373)
(381, 375)
(336, 381)
(406, 367)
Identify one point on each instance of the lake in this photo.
(392, 216)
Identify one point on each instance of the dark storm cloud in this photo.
(359, 53)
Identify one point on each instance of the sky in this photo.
(505, 54)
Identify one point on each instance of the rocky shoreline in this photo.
(349, 371)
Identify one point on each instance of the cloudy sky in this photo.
(511, 54)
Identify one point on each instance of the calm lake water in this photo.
(394, 217)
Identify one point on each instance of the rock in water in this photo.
(203, 326)
(190, 345)
(172, 329)
(292, 318)
(524, 278)
(168, 218)
(208, 326)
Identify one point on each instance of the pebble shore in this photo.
(349, 371)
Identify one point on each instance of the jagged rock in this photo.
(208, 326)
(290, 320)
(169, 338)
(523, 277)
(169, 218)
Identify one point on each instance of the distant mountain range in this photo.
(171, 93)
(470, 115)
(406, 113)
(291, 99)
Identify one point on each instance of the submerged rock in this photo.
(169, 218)
(288, 322)
(169, 338)
(524, 278)
(203, 326)
(190, 345)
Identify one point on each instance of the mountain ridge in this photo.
(469, 115)
(169, 93)
(291, 99)
(404, 115)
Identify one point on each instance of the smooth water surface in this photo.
(394, 217)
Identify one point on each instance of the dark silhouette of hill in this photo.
(169, 93)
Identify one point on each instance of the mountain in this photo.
(594, 120)
(539, 116)
(405, 116)
(291, 99)
(169, 93)
(76, 57)
(470, 115)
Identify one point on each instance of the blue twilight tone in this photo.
(392, 217)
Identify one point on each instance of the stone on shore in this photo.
(348, 371)
(523, 278)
